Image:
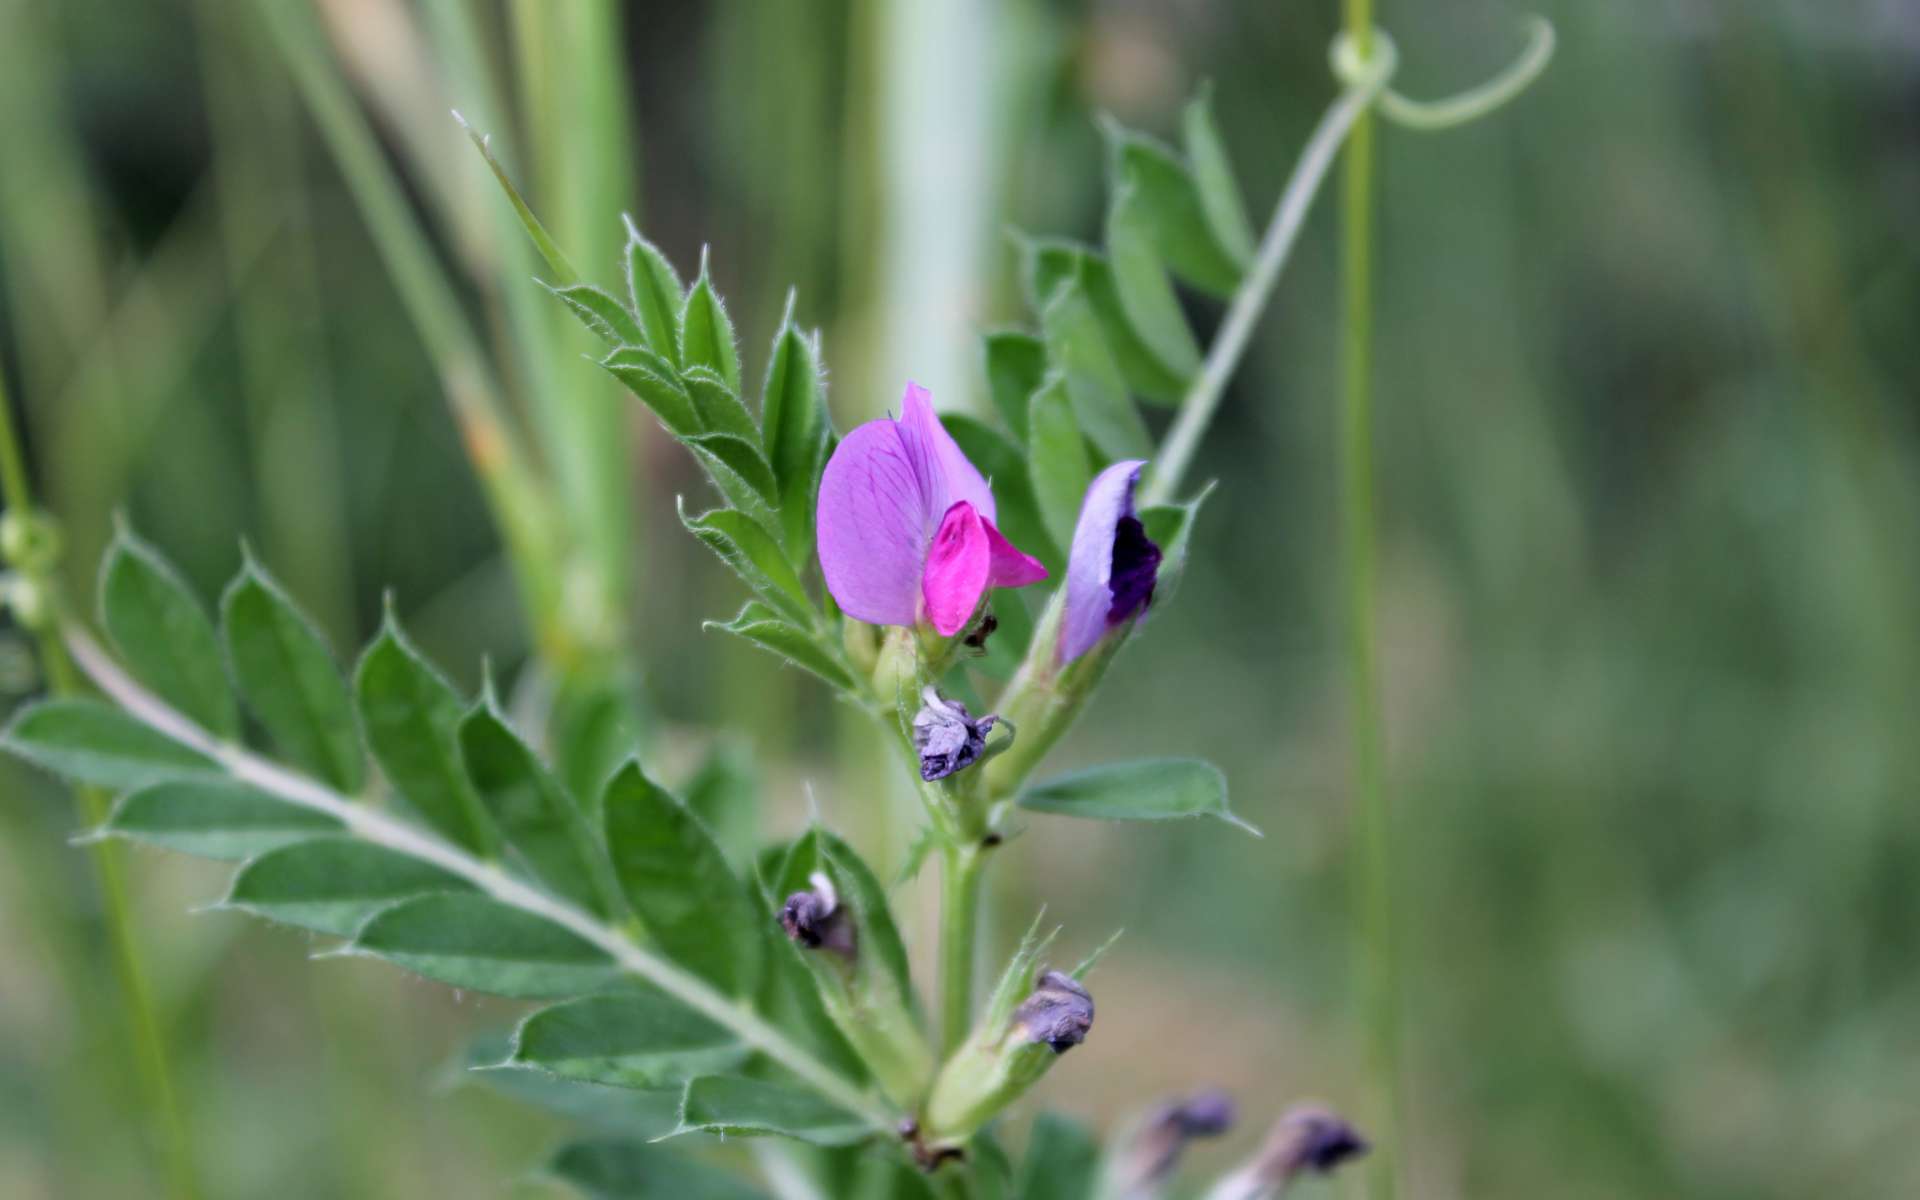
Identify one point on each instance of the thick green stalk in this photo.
(959, 925)
(1373, 878)
(143, 1024)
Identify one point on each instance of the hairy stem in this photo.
(1373, 876)
(1203, 396)
(959, 926)
(378, 827)
(143, 1023)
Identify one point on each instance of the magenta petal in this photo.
(958, 565)
(1011, 567)
(872, 525)
(1090, 595)
(953, 477)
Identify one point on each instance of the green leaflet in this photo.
(1146, 299)
(657, 383)
(795, 427)
(476, 942)
(288, 678)
(634, 1039)
(411, 716)
(625, 1169)
(756, 557)
(733, 1106)
(1213, 176)
(706, 332)
(1172, 208)
(164, 635)
(1155, 789)
(736, 467)
(655, 290)
(1077, 347)
(1062, 1161)
(1058, 464)
(89, 741)
(599, 312)
(333, 885)
(673, 874)
(213, 818)
(767, 629)
(719, 405)
(1016, 364)
(725, 795)
(1005, 467)
(535, 815)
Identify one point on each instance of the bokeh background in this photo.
(1647, 355)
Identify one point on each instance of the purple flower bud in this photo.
(1150, 1157)
(1058, 1013)
(815, 920)
(1305, 1139)
(1113, 565)
(947, 736)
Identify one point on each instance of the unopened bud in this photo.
(815, 920)
(947, 736)
(1059, 1013)
(1154, 1149)
(1307, 1139)
(1012, 1047)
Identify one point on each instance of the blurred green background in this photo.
(1651, 597)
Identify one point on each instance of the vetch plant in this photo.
(720, 995)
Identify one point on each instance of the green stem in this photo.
(1374, 876)
(143, 1024)
(959, 925)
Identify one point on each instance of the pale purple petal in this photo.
(1097, 599)
(954, 478)
(873, 525)
(958, 565)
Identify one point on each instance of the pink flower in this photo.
(906, 525)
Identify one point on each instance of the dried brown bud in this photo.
(815, 920)
(947, 736)
(1306, 1139)
(1058, 1013)
(1154, 1149)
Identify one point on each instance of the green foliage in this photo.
(91, 742)
(536, 817)
(680, 885)
(288, 678)
(620, 1169)
(164, 634)
(635, 1039)
(736, 1106)
(213, 818)
(483, 945)
(1157, 789)
(1062, 1161)
(411, 716)
(333, 884)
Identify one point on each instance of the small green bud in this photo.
(28, 601)
(29, 541)
(843, 943)
(1008, 1054)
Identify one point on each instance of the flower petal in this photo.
(872, 525)
(1092, 605)
(940, 459)
(958, 565)
(1010, 566)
